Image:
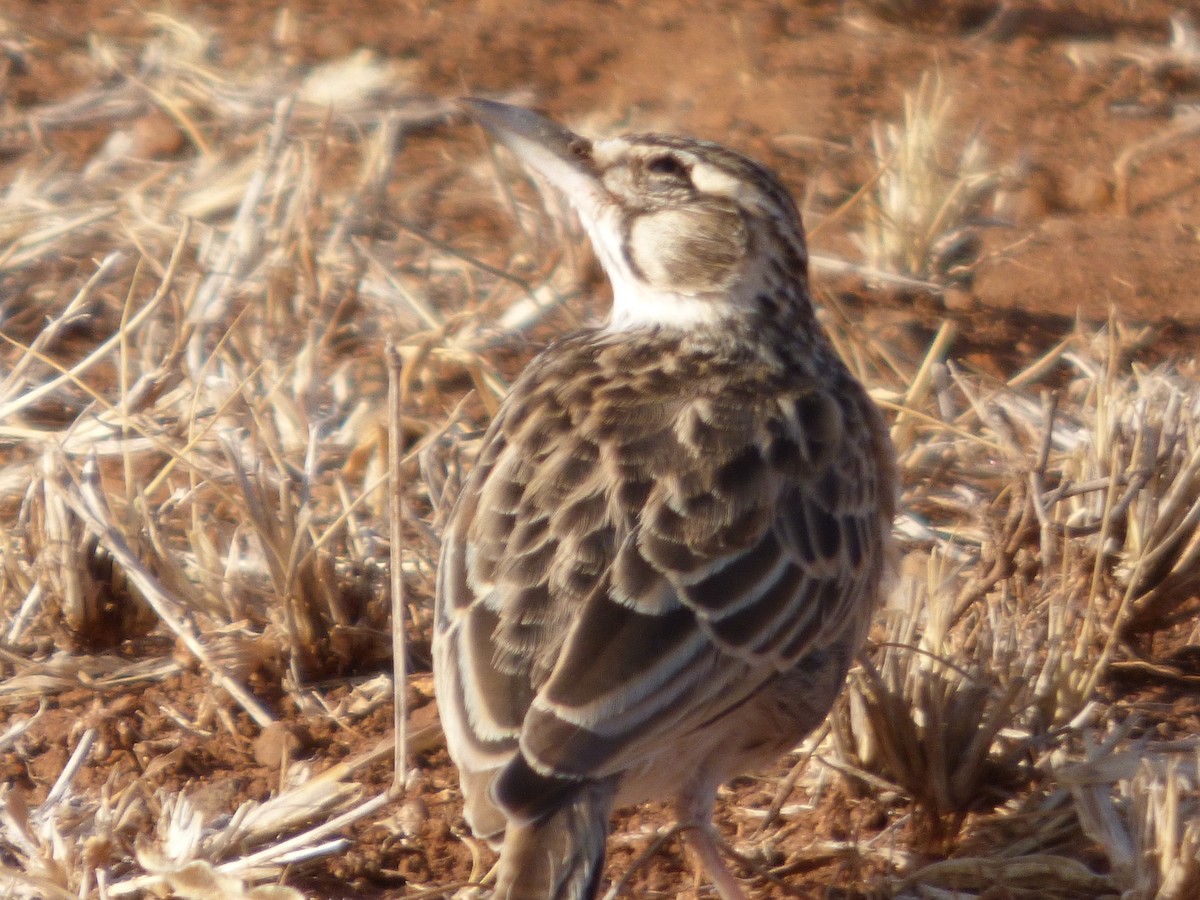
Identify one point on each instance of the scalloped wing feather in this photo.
(627, 564)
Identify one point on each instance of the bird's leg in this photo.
(695, 809)
(702, 840)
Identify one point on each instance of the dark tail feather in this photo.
(559, 856)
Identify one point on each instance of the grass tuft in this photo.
(920, 220)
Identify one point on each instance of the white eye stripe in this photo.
(711, 180)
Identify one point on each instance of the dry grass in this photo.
(194, 436)
(193, 463)
(919, 219)
(1042, 534)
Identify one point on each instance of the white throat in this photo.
(637, 306)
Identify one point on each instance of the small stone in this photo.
(155, 136)
(412, 817)
(1089, 190)
(1031, 197)
(276, 742)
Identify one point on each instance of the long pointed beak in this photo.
(544, 147)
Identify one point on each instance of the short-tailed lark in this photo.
(672, 543)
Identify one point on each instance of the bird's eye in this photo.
(666, 164)
(581, 149)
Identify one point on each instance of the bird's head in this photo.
(689, 232)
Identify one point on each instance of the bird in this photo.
(678, 526)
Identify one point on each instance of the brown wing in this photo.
(639, 550)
